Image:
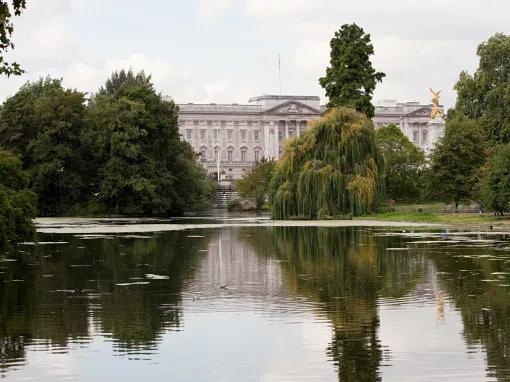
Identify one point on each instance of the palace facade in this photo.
(230, 138)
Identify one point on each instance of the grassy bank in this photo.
(434, 213)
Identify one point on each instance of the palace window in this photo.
(216, 134)
(229, 155)
(243, 155)
(202, 154)
(281, 135)
(256, 135)
(230, 134)
(188, 134)
(257, 153)
(415, 136)
(243, 135)
(202, 134)
(424, 136)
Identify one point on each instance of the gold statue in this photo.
(436, 107)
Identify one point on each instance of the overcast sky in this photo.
(227, 50)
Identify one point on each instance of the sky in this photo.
(226, 51)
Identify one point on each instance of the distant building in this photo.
(230, 138)
(414, 121)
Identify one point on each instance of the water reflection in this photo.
(62, 295)
(254, 303)
(346, 271)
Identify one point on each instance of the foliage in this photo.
(333, 169)
(256, 183)
(17, 203)
(495, 180)
(351, 79)
(485, 95)
(404, 164)
(6, 30)
(42, 123)
(142, 165)
(121, 153)
(234, 205)
(456, 160)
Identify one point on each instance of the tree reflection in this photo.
(69, 290)
(344, 271)
(478, 282)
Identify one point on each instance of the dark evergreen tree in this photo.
(351, 79)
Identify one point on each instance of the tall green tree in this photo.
(485, 95)
(6, 30)
(42, 123)
(495, 180)
(404, 164)
(256, 183)
(456, 161)
(142, 165)
(17, 202)
(335, 168)
(350, 79)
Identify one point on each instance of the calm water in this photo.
(255, 303)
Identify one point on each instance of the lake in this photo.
(233, 299)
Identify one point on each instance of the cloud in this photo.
(312, 56)
(212, 10)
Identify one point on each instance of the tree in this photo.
(333, 169)
(17, 203)
(256, 183)
(350, 80)
(495, 180)
(485, 96)
(42, 123)
(456, 160)
(404, 164)
(142, 165)
(6, 30)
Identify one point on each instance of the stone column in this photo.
(265, 127)
(276, 138)
(286, 130)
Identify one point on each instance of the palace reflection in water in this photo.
(253, 303)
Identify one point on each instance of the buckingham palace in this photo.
(230, 138)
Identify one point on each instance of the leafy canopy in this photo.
(333, 169)
(350, 79)
(6, 30)
(142, 165)
(256, 183)
(485, 95)
(495, 180)
(42, 123)
(456, 161)
(17, 203)
(404, 164)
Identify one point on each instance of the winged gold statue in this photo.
(436, 107)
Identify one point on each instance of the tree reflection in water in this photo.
(344, 270)
(68, 290)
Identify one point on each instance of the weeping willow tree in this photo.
(334, 169)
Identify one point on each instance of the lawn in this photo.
(434, 213)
